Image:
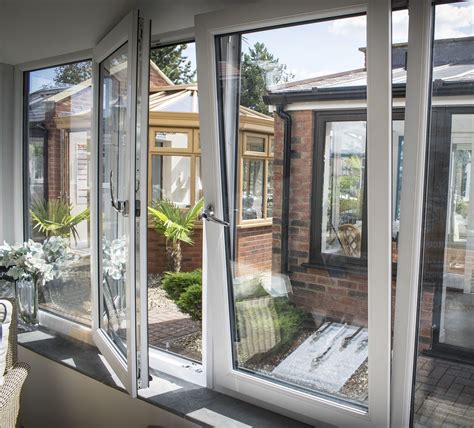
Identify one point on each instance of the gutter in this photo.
(440, 88)
(285, 208)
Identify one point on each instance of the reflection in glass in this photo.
(171, 179)
(113, 140)
(343, 188)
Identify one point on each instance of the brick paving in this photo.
(165, 325)
(444, 395)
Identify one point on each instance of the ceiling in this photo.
(38, 29)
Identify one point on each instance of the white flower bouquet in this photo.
(35, 261)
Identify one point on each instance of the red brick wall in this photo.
(254, 246)
(192, 254)
(254, 250)
(340, 296)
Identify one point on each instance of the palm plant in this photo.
(54, 218)
(176, 225)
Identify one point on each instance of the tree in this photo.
(172, 61)
(176, 225)
(72, 74)
(259, 70)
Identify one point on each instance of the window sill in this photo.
(202, 406)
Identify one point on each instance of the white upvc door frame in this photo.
(125, 367)
(223, 376)
(411, 209)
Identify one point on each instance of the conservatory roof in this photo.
(449, 79)
(184, 99)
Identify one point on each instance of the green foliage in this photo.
(172, 222)
(175, 283)
(72, 74)
(54, 218)
(190, 302)
(260, 69)
(172, 62)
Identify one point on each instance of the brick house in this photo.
(328, 277)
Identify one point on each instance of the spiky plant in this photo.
(54, 218)
(176, 225)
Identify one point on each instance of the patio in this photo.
(444, 395)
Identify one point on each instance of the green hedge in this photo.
(185, 289)
(190, 302)
(175, 283)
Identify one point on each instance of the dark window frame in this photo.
(434, 225)
(317, 258)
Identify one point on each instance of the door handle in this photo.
(208, 214)
(119, 206)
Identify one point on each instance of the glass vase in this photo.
(27, 301)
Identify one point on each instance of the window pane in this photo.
(198, 190)
(171, 179)
(270, 189)
(343, 188)
(444, 390)
(294, 322)
(115, 179)
(58, 155)
(252, 189)
(171, 140)
(255, 144)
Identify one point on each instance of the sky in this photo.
(317, 49)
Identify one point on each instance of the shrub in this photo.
(175, 283)
(190, 302)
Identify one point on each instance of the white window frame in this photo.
(217, 322)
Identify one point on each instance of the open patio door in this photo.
(121, 62)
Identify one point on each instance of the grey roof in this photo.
(358, 78)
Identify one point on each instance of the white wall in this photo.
(56, 396)
(6, 153)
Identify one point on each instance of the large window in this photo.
(57, 149)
